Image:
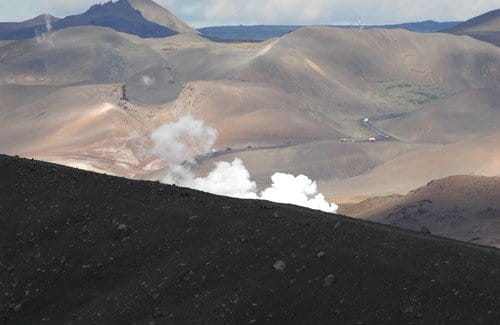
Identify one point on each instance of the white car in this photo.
(366, 120)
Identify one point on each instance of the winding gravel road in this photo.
(380, 135)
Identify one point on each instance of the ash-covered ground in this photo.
(79, 248)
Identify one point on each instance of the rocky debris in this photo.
(279, 266)
(328, 281)
(425, 230)
(267, 206)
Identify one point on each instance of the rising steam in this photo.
(180, 141)
(147, 81)
(48, 23)
(46, 37)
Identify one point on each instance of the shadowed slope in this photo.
(119, 16)
(485, 27)
(90, 248)
(461, 207)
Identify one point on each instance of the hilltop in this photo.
(485, 27)
(460, 207)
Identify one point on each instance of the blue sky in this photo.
(229, 12)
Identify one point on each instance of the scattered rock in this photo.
(266, 206)
(329, 280)
(159, 314)
(425, 230)
(279, 266)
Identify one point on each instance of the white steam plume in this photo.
(298, 190)
(48, 23)
(227, 179)
(147, 81)
(180, 141)
(46, 38)
(183, 139)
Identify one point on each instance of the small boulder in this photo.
(425, 230)
(321, 254)
(328, 280)
(279, 266)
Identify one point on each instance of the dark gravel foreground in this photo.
(82, 248)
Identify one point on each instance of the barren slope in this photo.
(296, 89)
(96, 129)
(87, 248)
(157, 14)
(461, 207)
(366, 73)
(461, 116)
(472, 157)
(485, 27)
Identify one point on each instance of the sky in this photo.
(200, 13)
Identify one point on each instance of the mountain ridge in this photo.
(485, 27)
(121, 16)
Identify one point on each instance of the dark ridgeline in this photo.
(485, 28)
(120, 16)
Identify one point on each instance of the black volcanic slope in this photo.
(78, 247)
(119, 16)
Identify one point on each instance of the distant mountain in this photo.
(485, 27)
(37, 21)
(427, 26)
(460, 207)
(264, 32)
(120, 16)
(246, 33)
(157, 14)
